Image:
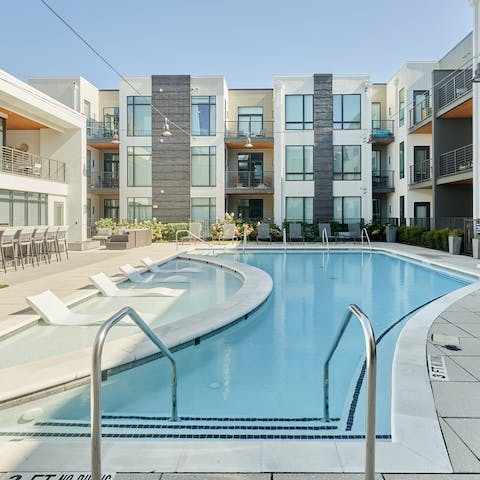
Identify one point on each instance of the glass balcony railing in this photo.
(459, 160)
(22, 163)
(249, 180)
(420, 112)
(102, 131)
(254, 129)
(106, 180)
(382, 131)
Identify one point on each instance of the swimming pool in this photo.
(262, 378)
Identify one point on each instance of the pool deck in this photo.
(457, 398)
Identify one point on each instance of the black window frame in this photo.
(131, 181)
(306, 176)
(401, 160)
(341, 125)
(132, 101)
(212, 176)
(344, 176)
(211, 131)
(306, 124)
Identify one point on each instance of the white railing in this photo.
(29, 165)
(364, 234)
(325, 238)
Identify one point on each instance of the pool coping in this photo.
(408, 451)
(56, 373)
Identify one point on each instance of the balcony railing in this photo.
(249, 180)
(421, 171)
(383, 180)
(459, 160)
(23, 163)
(254, 129)
(454, 87)
(104, 180)
(101, 131)
(382, 131)
(420, 112)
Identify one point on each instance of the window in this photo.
(23, 208)
(299, 209)
(203, 116)
(87, 109)
(250, 208)
(299, 162)
(88, 170)
(402, 211)
(401, 159)
(250, 121)
(139, 208)
(111, 207)
(401, 107)
(139, 166)
(139, 116)
(376, 116)
(111, 119)
(299, 112)
(347, 162)
(203, 211)
(347, 209)
(203, 166)
(346, 112)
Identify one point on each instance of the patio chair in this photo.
(229, 232)
(353, 232)
(263, 232)
(108, 289)
(328, 228)
(135, 276)
(24, 241)
(53, 311)
(154, 268)
(7, 242)
(61, 238)
(38, 244)
(295, 232)
(51, 243)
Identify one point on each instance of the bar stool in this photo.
(51, 243)
(62, 237)
(7, 241)
(38, 244)
(25, 240)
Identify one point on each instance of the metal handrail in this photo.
(363, 233)
(194, 236)
(325, 238)
(371, 354)
(96, 380)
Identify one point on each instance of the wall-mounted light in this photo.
(166, 129)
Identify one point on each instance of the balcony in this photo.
(102, 135)
(25, 164)
(420, 117)
(454, 90)
(248, 182)
(260, 134)
(421, 172)
(456, 161)
(106, 181)
(382, 181)
(382, 132)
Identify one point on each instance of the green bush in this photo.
(420, 236)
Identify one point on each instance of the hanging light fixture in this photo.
(248, 143)
(166, 129)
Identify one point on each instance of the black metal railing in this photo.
(383, 179)
(459, 160)
(420, 112)
(253, 129)
(454, 87)
(425, 222)
(255, 180)
(421, 171)
(104, 180)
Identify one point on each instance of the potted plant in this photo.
(455, 241)
(391, 233)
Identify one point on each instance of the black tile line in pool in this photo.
(358, 386)
(222, 419)
(194, 436)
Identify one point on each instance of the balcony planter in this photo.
(476, 247)
(391, 233)
(455, 242)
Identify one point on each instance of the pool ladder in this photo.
(371, 354)
(96, 380)
(364, 234)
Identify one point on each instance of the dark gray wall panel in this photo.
(323, 149)
(171, 158)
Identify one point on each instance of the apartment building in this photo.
(42, 160)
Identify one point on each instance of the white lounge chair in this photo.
(135, 276)
(109, 289)
(55, 312)
(154, 268)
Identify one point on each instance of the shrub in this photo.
(436, 239)
(105, 223)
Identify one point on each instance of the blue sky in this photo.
(248, 41)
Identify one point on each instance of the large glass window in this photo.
(203, 166)
(3, 132)
(203, 211)
(139, 208)
(139, 116)
(299, 162)
(22, 208)
(139, 166)
(111, 207)
(203, 116)
(250, 121)
(401, 107)
(299, 209)
(347, 162)
(299, 112)
(347, 209)
(401, 159)
(347, 112)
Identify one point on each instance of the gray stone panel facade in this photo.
(171, 158)
(323, 149)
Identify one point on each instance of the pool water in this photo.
(269, 367)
